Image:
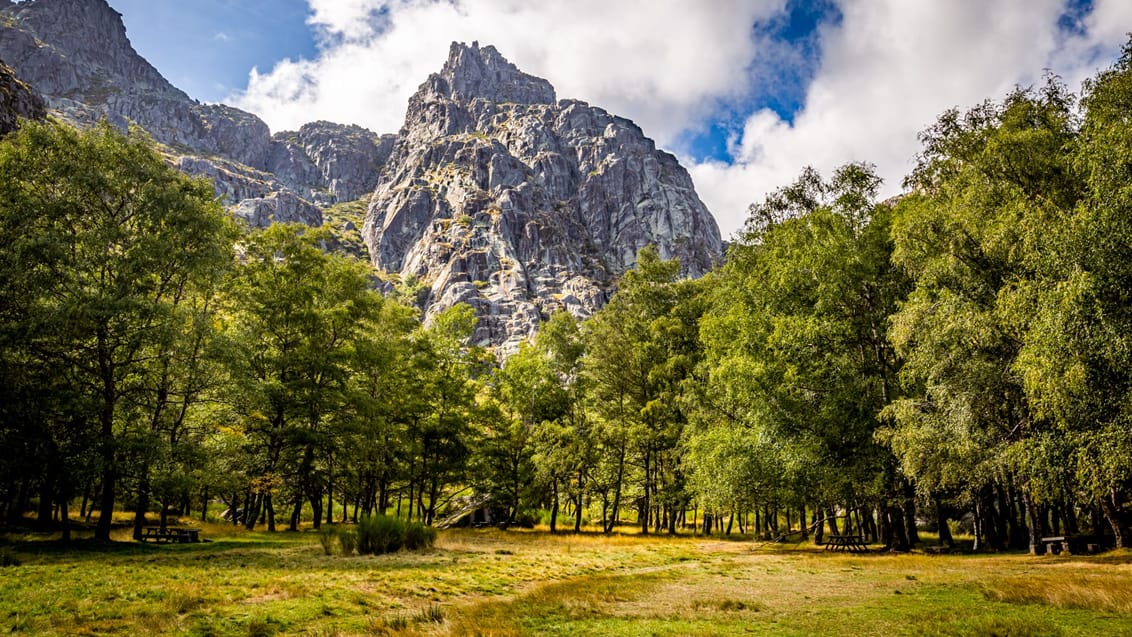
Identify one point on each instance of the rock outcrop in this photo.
(329, 163)
(499, 196)
(76, 53)
(494, 193)
(17, 100)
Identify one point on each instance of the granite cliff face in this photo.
(76, 53)
(494, 193)
(17, 100)
(500, 196)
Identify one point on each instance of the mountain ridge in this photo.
(503, 197)
(494, 192)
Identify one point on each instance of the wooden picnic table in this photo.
(170, 534)
(850, 543)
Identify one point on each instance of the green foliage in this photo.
(380, 534)
(419, 536)
(347, 540)
(110, 259)
(796, 359)
(327, 538)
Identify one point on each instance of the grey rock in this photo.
(278, 207)
(17, 101)
(328, 162)
(500, 197)
(76, 53)
(78, 50)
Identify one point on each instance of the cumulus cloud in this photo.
(663, 63)
(888, 68)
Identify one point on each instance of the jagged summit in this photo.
(87, 48)
(77, 55)
(499, 196)
(472, 72)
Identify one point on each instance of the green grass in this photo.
(490, 582)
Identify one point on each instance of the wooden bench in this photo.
(1056, 545)
(850, 543)
(169, 534)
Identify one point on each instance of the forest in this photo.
(959, 357)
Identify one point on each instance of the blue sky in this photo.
(207, 47)
(745, 92)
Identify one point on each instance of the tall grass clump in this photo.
(419, 536)
(380, 534)
(347, 540)
(327, 537)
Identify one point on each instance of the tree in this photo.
(103, 241)
(297, 317)
(1076, 354)
(639, 349)
(988, 187)
(797, 361)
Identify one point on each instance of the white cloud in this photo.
(888, 69)
(663, 63)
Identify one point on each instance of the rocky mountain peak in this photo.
(499, 196)
(474, 72)
(77, 55)
(90, 37)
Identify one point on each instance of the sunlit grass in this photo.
(490, 582)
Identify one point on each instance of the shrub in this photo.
(326, 537)
(8, 558)
(383, 534)
(380, 534)
(419, 536)
(347, 540)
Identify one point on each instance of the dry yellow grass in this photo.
(487, 582)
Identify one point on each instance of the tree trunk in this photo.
(644, 508)
(269, 512)
(1112, 515)
(252, 504)
(554, 507)
(909, 509)
(617, 492)
(818, 525)
(65, 519)
(1033, 524)
(899, 534)
(46, 502)
(143, 502)
(943, 529)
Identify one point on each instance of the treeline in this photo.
(854, 367)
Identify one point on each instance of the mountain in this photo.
(494, 192)
(499, 195)
(76, 54)
(17, 100)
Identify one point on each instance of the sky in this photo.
(745, 92)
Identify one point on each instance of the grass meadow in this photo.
(489, 582)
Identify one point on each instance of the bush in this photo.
(347, 540)
(8, 558)
(383, 534)
(326, 537)
(380, 534)
(419, 536)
